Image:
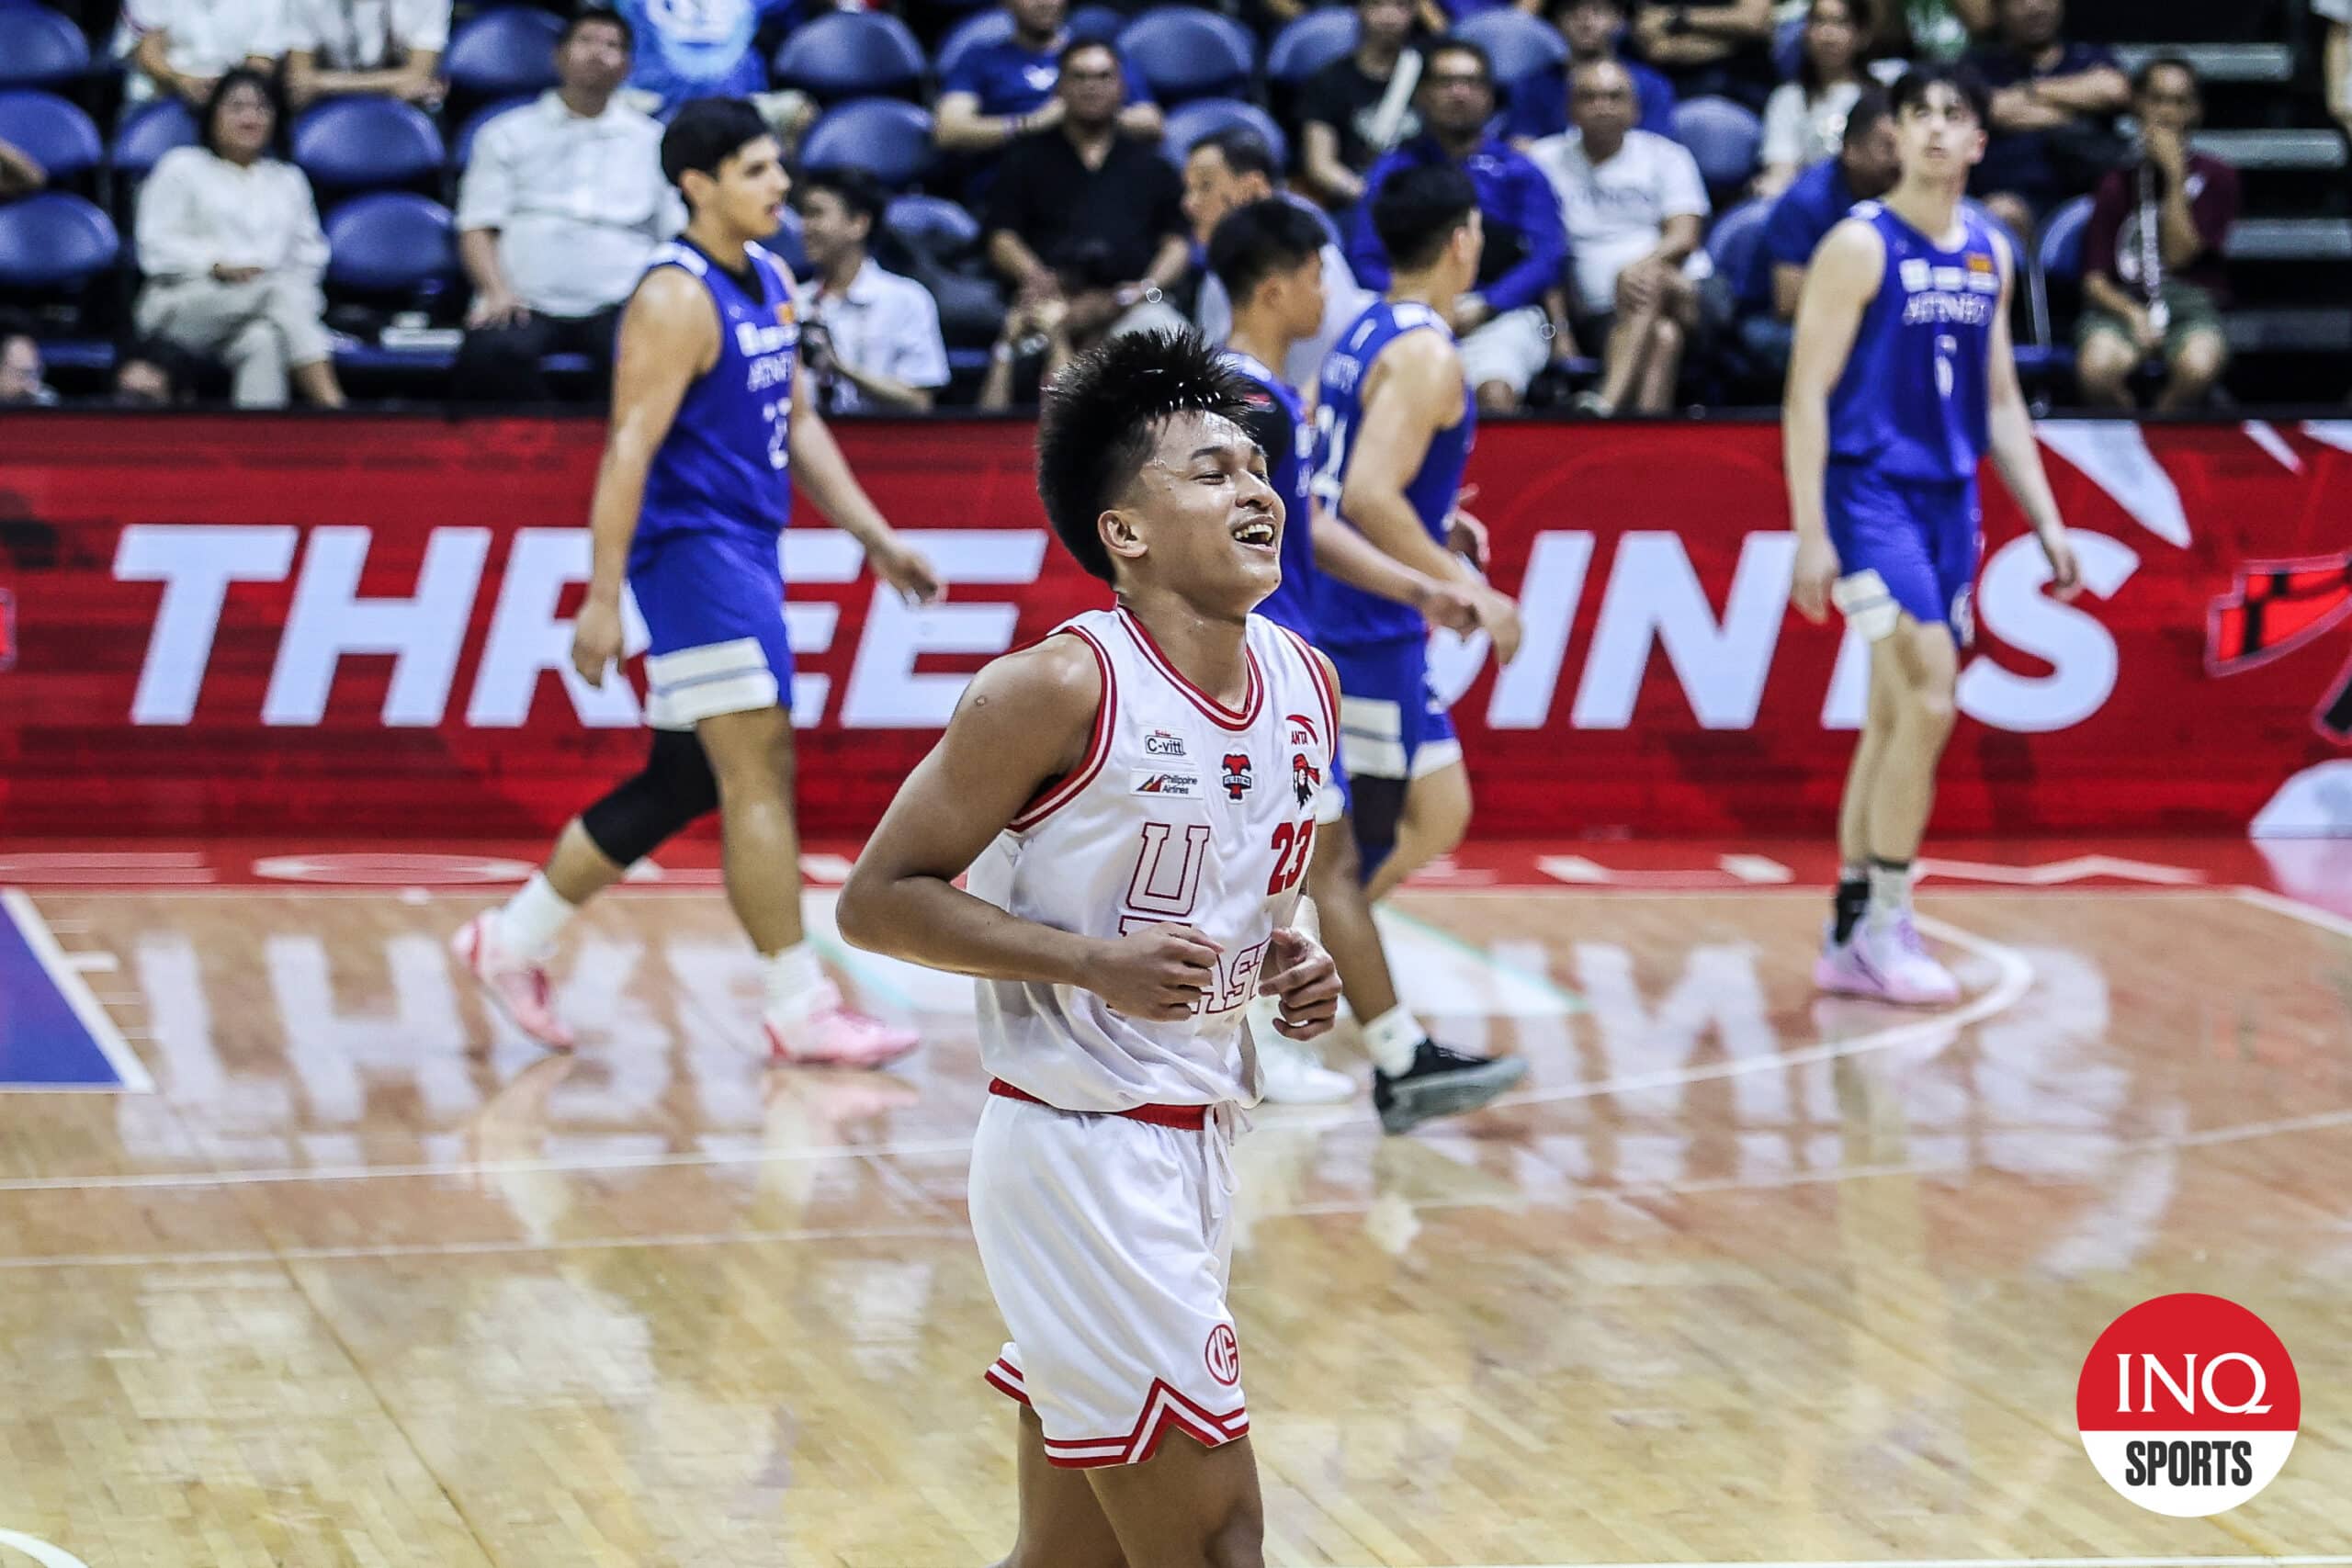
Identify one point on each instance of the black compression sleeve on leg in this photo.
(1374, 807)
(641, 814)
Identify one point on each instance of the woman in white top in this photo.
(229, 241)
(1806, 119)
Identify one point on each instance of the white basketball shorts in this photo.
(1108, 1242)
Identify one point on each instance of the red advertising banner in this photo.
(241, 625)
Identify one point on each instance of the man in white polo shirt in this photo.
(561, 203)
(1634, 206)
(872, 343)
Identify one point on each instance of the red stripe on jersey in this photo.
(1097, 745)
(1218, 713)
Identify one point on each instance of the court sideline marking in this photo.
(66, 977)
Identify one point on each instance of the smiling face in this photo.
(1200, 518)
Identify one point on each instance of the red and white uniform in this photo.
(1102, 1186)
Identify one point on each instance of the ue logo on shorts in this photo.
(1223, 1355)
(2189, 1404)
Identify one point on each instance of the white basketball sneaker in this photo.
(1890, 953)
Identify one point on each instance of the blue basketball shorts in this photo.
(1904, 546)
(1392, 723)
(713, 605)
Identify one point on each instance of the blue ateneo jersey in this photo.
(721, 468)
(1345, 615)
(1278, 423)
(1913, 402)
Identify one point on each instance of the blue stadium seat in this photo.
(503, 52)
(53, 242)
(888, 137)
(1310, 43)
(2060, 255)
(1098, 24)
(1788, 48)
(149, 133)
(461, 151)
(2058, 258)
(977, 30)
(390, 242)
(53, 134)
(931, 224)
(1732, 242)
(39, 48)
(1519, 44)
(360, 143)
(1206, 116)
(850, 54)
(1723, 136)
(1185, 53)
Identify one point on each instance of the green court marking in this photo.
(1438, 934)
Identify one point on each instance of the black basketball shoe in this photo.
(1440, 1082)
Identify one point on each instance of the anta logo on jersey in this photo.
(1163, 743)
(1160, 781)
(1236, 776)
(1305, 778)
(1302, 729)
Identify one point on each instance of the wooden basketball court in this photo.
(1742, 1274)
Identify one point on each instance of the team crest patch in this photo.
(1305, 778)
(1236, 776)
(1163, 743)
(1174, 783)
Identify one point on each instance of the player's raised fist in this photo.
(1160, 972)
(1303, 976)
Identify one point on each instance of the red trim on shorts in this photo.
(1323, 686)
(1005, 1378)
(1163, 1408)
(1098, 744)
(1190, 1117)
(1218, 713)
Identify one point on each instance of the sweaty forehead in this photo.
(1184, 434)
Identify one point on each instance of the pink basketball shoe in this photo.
(836, 1036)
(518, 986)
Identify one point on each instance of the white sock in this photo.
(1889, 892)
(798, 987)
(1392, 1039)
(529, 921)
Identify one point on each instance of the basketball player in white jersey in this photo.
(1134, 800)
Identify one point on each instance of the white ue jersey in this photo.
(1182, 811)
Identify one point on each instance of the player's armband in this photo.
(1862, 598)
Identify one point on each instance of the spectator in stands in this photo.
(1506, 332)
(2335, 58)
(1710, 48)
(1635, 208)
(152, 374)
(712, 49)
(2053, 104)
(1925, 29)
(1231, 170)
(229, 239)
(1356, 109)
(1864, 169)
(1029, 352)
(1539, 106)
(185, 46)
(1005, 91)
(20, 367)
(19, 173)
(388, 47)
(2154, 281)
(1805, 123)
(870, 337)
(1088, 216)
(563, 201)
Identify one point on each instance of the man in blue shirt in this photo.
(1866, 168)
(1539, 104)
(1002, 91)
(2053, 105)
(1505, 330)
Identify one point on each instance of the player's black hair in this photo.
(1244, 152)
(604, 14)
(705, 133)
(1914, 87)
(1260, 240)
(860, 194)
(1871, 108)
(1416, 211)
(1104, 413)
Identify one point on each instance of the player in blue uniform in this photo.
(1397, 419)
(1902, 379)
(708, 415)
(1267, 253)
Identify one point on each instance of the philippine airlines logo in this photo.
(2189, 1404)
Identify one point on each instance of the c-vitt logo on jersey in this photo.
(2189, 1404)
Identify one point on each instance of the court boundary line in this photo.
(84, 1003)
(2294, 910)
